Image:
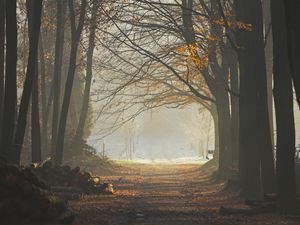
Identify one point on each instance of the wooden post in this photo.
(103, 149)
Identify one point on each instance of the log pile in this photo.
(24, 196)
(63, 179)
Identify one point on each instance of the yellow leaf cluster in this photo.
(191, 55)
(244, 26)
(239, 24)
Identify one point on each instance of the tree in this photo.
(10, 93)
(36, 151)
(44, 110)
(76, 34)
(35, 122)
(292, 8)
(269, 59)
(200, 43)
(2, 54)
(89, 74)
(283, 96)
(256, 154)
(59, 49)
(28, 84)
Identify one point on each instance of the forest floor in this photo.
(165, 194)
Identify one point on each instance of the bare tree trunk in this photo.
(35, 123)
(224, 127)
(283, 96)
(89, 75)
(10, 93)
(234, 85)
(216, 86)
(44, 133)
(76, 34)
(49, 103)
(257, 165)
(292, 8)
(36, 153)
(217, 136)
(31, 71)
(59, 49)
(205, 152)
(2, 53)
(269, 60)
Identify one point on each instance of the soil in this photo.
(166, 194)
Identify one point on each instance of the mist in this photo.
(161, 135)
(160, 112)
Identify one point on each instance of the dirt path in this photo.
(165, 195)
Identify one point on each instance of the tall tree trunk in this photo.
(36, 151)
(2, 53)
(292, 9)
(205, 150)
(89, 75)
(283, 96)
(76, 34)
(267, 162)
(35, 123)
(10, 93)
(255, 138)
(31, 71)
(269, 60)
(224, 127)
(214, 115)
(234, 100)
(44, 109)
(59, 49)
(217, 136)
(220, 49)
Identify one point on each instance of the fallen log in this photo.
(73, 190)
(64, 179)
(68, 196)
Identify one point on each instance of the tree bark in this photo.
(234, 100)
(221, 70)
(2, 53)
(283, 96)
(44, 132)
(269, 60)
(224, 128)
(36, 151)
(256, 156)
(292, 8)
(76, 34)
(214, 115)
(35, 123)
(59, 49)
(31, 71)
(10, 93)
(89, 75)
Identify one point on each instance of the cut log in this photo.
(23, 195)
